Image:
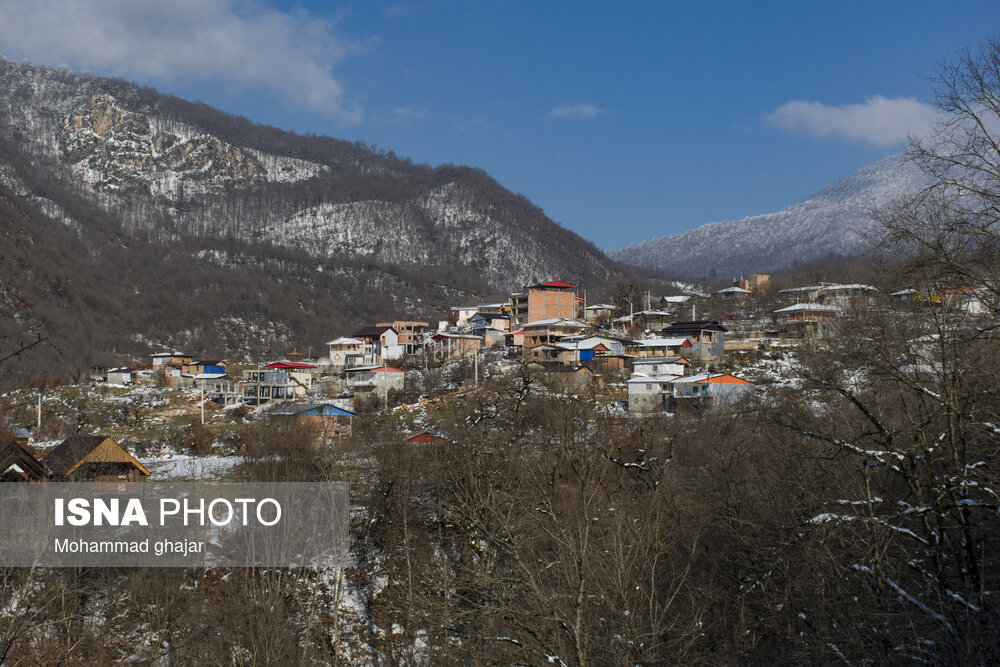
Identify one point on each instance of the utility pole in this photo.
(475, 364)
(385, 387)
(202, 402)
(39, 425)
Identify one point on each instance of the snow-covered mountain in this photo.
(128, 216)
(166, 169)
(836, 220)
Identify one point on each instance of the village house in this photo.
(346, 352)
(830, 294)
(551, 300)
(568, 379)
(498, 308)
(258, 387)
(805, 294)
(302, 377)
(93, 458)
(670, 392)
(966, 300)
(462, 315)
(758, 282)
(806, 320)
(645, 320)
(444, 346)
(18, 463)
(333, 417)
(161, 358)
(491, 327)
(652, 366)
(649, 393)
(206, 366)
(425, 437)
(548, 332)
(601, 313)
(381, 344)
(845, 296)
(719, 388)
(676, 346)
(732, 294)
(707, 339)
(375, 380)
(410, 334)
(599, 352)
(121, 375)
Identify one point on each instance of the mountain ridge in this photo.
(138, 220)
(837, 219)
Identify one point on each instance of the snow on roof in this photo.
(552, 321)
(345, 340)
(675, 299)
(209, 376)
(492, 305)
(664, 342)
(373, 369)
(850, 286)
(639, 379)
(701, 377)
(601, 306)
(807, 288)
(442, 334)
(814, 307)
(904, 292)
(733, 290)
(464, 307)
(660, 360)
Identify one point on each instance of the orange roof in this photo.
(726, 378)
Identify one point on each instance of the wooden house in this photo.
(806, 320)
(93, 458)
(18, 463)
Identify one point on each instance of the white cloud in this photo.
(577, 110)
(409, 114)
(879, 120)
(244, 45)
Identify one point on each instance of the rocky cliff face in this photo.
(166, 170)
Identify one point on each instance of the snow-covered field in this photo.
(185, 467)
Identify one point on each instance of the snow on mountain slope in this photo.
(835, 220)
(165, 170)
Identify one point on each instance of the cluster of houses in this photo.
(549, 326)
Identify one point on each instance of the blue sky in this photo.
(623, 121)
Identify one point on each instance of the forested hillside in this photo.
(168, 220)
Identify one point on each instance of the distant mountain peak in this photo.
(835, 220)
